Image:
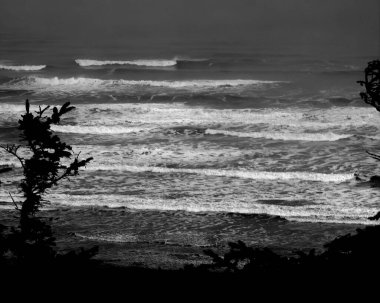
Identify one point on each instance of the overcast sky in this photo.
(315, 23)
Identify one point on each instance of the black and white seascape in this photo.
(208, 121)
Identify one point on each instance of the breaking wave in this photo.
(178, 62)
(22, 67)
(92, 83)
(111, 129)
(281, 136)
(97, 129)
(254, 175)
(335, 120)
(308, 213)
(148, 63)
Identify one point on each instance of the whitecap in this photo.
(79, 129)
(140, 62)
(280, 136)
(244, 174)
(22, 67)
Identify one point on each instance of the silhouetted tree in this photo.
(32, 240)
(372, 97)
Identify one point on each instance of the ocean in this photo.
(196, 146)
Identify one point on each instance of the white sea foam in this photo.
(280, 136)
(344, 214)
(141, 62)
(110, 129)
(118, 238)
(22, 67)
(255, 175)
(82, 83)
(78, 129)
(170, 115)
(317, 125)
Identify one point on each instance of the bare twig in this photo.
(14, 202)
(41, 111)
(71, 170)
(376, 157)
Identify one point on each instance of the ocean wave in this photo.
(193, 63)
(116, 238)
(82, 83)
(79, 129)
(7, 127)
(254, 175)
(280, 136)
(330, 122)
(187, 238)
(318, 125)
(22, 67)
(113, 129)
(140, 62)
(308, 213)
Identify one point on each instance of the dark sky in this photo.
(348, 24)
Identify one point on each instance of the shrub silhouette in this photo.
(32, 242)
(241, 258)
(372, 84)
(371, 96)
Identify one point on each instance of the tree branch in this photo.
(12, 149)
(69, 171)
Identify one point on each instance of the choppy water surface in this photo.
(205, 148)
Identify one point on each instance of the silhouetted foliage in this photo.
(32, 241)
(3, 241)
(364, 246)
(372, 84)
(371, 96)
(242, 258)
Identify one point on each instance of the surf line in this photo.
(254, 175)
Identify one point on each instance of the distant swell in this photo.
(255, 175)
(22, 67)
(148, 63)
(281, 136)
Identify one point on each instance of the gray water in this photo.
(195, 142)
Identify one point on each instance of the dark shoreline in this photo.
(151, 249)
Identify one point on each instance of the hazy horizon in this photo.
(345, 26)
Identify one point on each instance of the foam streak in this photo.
(254, 175)
(101, 84)
(97, 129)
(281, 136)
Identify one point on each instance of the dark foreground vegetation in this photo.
(31, 244)
(28, 250)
